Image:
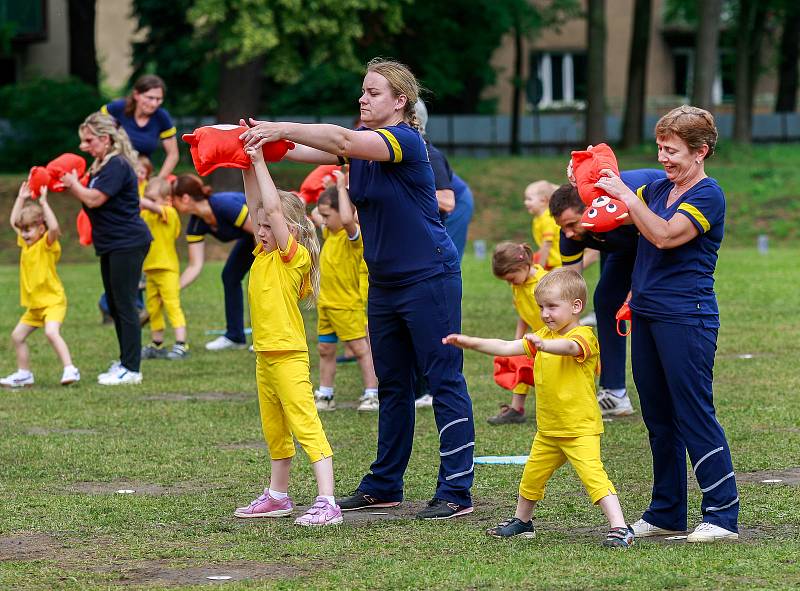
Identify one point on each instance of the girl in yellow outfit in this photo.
(513, 262)
(162, 270)
(285, 270)
(568, 419)
(40, 289)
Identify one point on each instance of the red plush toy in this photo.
(586, 167)
(219, 146)
(84, 226)
(624, 313)
(313, 184)
(60, 166)
(512, 371)
(604, 214)
(38, 179)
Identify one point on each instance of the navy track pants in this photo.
(236, 268)
(609, 295)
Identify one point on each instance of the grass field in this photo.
(188, 441)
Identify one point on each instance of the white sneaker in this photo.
(643, 529)
(324, 402)
(121, 376)
(613, 406)
(222, 343)
(424, 401)
(18, 379)
(112, 369)
(70, 375)
(369, 403)
(589, 320)
(708, 532)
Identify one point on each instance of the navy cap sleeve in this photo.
(404, 142)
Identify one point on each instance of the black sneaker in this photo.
(441, 509)
(619, 537)
(507, 416)
(153, 351)
(512, 528)
(361, 500)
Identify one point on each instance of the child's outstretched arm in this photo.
(566, 347)
(270, 200)
(488, 346)
(346, 209)
(50, 219)
(23, 194)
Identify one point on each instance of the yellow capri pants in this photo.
(348, 325)
(550, 453)
(163, 294)
(287, 407)
(38, 316)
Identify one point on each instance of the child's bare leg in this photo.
(18, 336)
(327, 364)
(323, 472)
(360, 349)
(52, 331)
(525, 509)
(612, 510)
(518, 402)
(279, 475)
(180, 334)
(157, 336)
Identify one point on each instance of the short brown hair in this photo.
(509, 257)
(329, 197)
(31, 214)
(568, 283)
(693, 125)
(191, 185)
(564, 198)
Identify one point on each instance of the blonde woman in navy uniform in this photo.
(675, 325)
(415, 284)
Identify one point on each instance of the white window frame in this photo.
(544, 70)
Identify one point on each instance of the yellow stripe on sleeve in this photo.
(104, 110)
(168, 133)
(241, 217)
(194, 238)
(640, 193)
(696, 214)
(571, 258)
(398, 151)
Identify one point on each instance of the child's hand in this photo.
(457, 340)
(43, 196)
(256, 155)
(341, 179)
(535, 340)
(25, 191)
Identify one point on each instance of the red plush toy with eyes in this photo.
(219, 146)
(604, 214)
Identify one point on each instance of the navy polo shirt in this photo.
(117, 225)
(230, 209)
(677, 284)
(404, 239)
(624, 239)
(145, 138)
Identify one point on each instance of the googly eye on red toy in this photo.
(604, 215)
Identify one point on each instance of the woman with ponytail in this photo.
(415, 283)
(120, 236)
(225, 217)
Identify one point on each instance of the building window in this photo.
(561, 78)
(723, 86)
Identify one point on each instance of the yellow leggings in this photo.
(163, 294)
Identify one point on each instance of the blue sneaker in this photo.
(513, 528)
(619, 537)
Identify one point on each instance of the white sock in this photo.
(618, 392)
(70, 367)
(25, 372)
(277, 495)
(370, 392)
(330, 499)
(326, 391)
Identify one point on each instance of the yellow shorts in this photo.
(163, 294)
(550, 453)
(348, 325)
(38, 316)
(287, 405)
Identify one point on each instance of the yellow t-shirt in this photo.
(165, 228)
(278, 280)
(525, 303)
(566, 403)
(339, 266)
(543, 228)
(39, 284)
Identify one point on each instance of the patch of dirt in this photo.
(49, 431)
(139, 488)
(789, 476)
(204, 396)
(169, 573)
(243, 445)
(27, 546)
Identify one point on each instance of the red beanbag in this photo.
(604, 214)
(586, 167)
(84, 226)
(219, 146)
(512, 371)
(624, 313)
(312, 185)
(38, 179)
(60, 166)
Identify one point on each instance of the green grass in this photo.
(52, 536)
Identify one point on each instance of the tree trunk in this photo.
(239, 98)
(596, 62)
(746, 72)
(635, 96)
(516, 102)
(82, 54)
(789, 55)
(705, 63)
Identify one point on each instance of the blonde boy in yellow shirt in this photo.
(567, 416)
(544, 229)
(40, 288)
(162, 270)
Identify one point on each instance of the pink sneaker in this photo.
(320, 513)
(266, 506)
